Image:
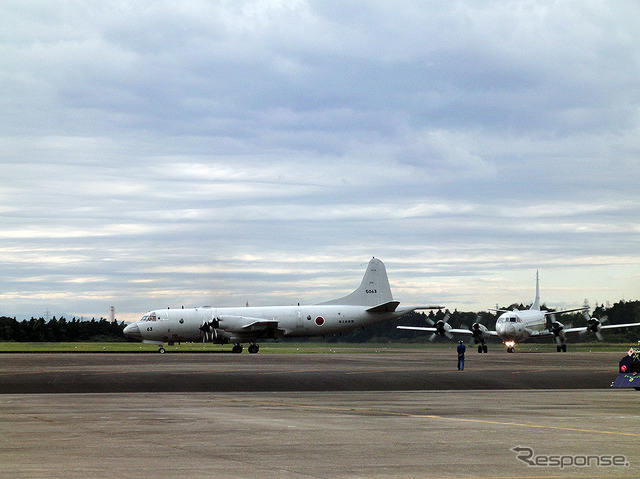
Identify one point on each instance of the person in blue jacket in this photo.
(461, 349)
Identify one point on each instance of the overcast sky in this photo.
(157, 154)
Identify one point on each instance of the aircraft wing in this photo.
(535, 333)
(259, 325)
(583, 308)
(246, 324)
(608, 326)
(466, 332)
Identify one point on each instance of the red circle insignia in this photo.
(319, 320)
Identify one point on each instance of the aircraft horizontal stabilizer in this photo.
(388, 307)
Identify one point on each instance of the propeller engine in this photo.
(480, 334)
(442, 327)
(594, 325)
(557, 328)
(208, 329)
(479, 331)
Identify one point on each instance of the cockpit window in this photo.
(513, 319)
(145, 317)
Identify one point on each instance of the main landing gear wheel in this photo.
(237, 349)
(562, 348)
(253, 349)
(482, 348)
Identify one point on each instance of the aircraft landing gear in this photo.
(253, 349)
(511, 350)
(562, 348)
(161, 350)
(237, 349)
(482, 348)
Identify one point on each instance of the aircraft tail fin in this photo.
(374, 290)
(536, 302)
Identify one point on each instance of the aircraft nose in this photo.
(133, 331)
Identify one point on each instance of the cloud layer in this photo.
(154, 154)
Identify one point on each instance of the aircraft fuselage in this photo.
(184, 325)
(519, 326)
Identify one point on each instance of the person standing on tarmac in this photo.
(461, 350)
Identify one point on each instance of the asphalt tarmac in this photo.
(393, 414)
(387, 370)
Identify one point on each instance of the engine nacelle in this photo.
(479, 332)
(233, 324)
(443, 328)
(557, 328)
(594, 325)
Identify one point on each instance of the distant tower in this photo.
(112, 314)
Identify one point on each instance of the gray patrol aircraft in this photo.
(514, 326)
(372, 302)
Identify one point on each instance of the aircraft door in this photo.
(299, 321)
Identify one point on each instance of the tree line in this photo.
(61, 330)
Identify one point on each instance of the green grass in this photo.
(286, 347)
(125, 347)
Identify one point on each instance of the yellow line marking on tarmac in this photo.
(287, 371)
(578, 476)
(393, 371)
(443, 418)
(537, 426)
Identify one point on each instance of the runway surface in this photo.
(433, 369)
(399, 414)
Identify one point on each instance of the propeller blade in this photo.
(599, 336)
(432, 337)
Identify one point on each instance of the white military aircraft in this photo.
(371, 303)
(516, 326)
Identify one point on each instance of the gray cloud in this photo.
(158, 154)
